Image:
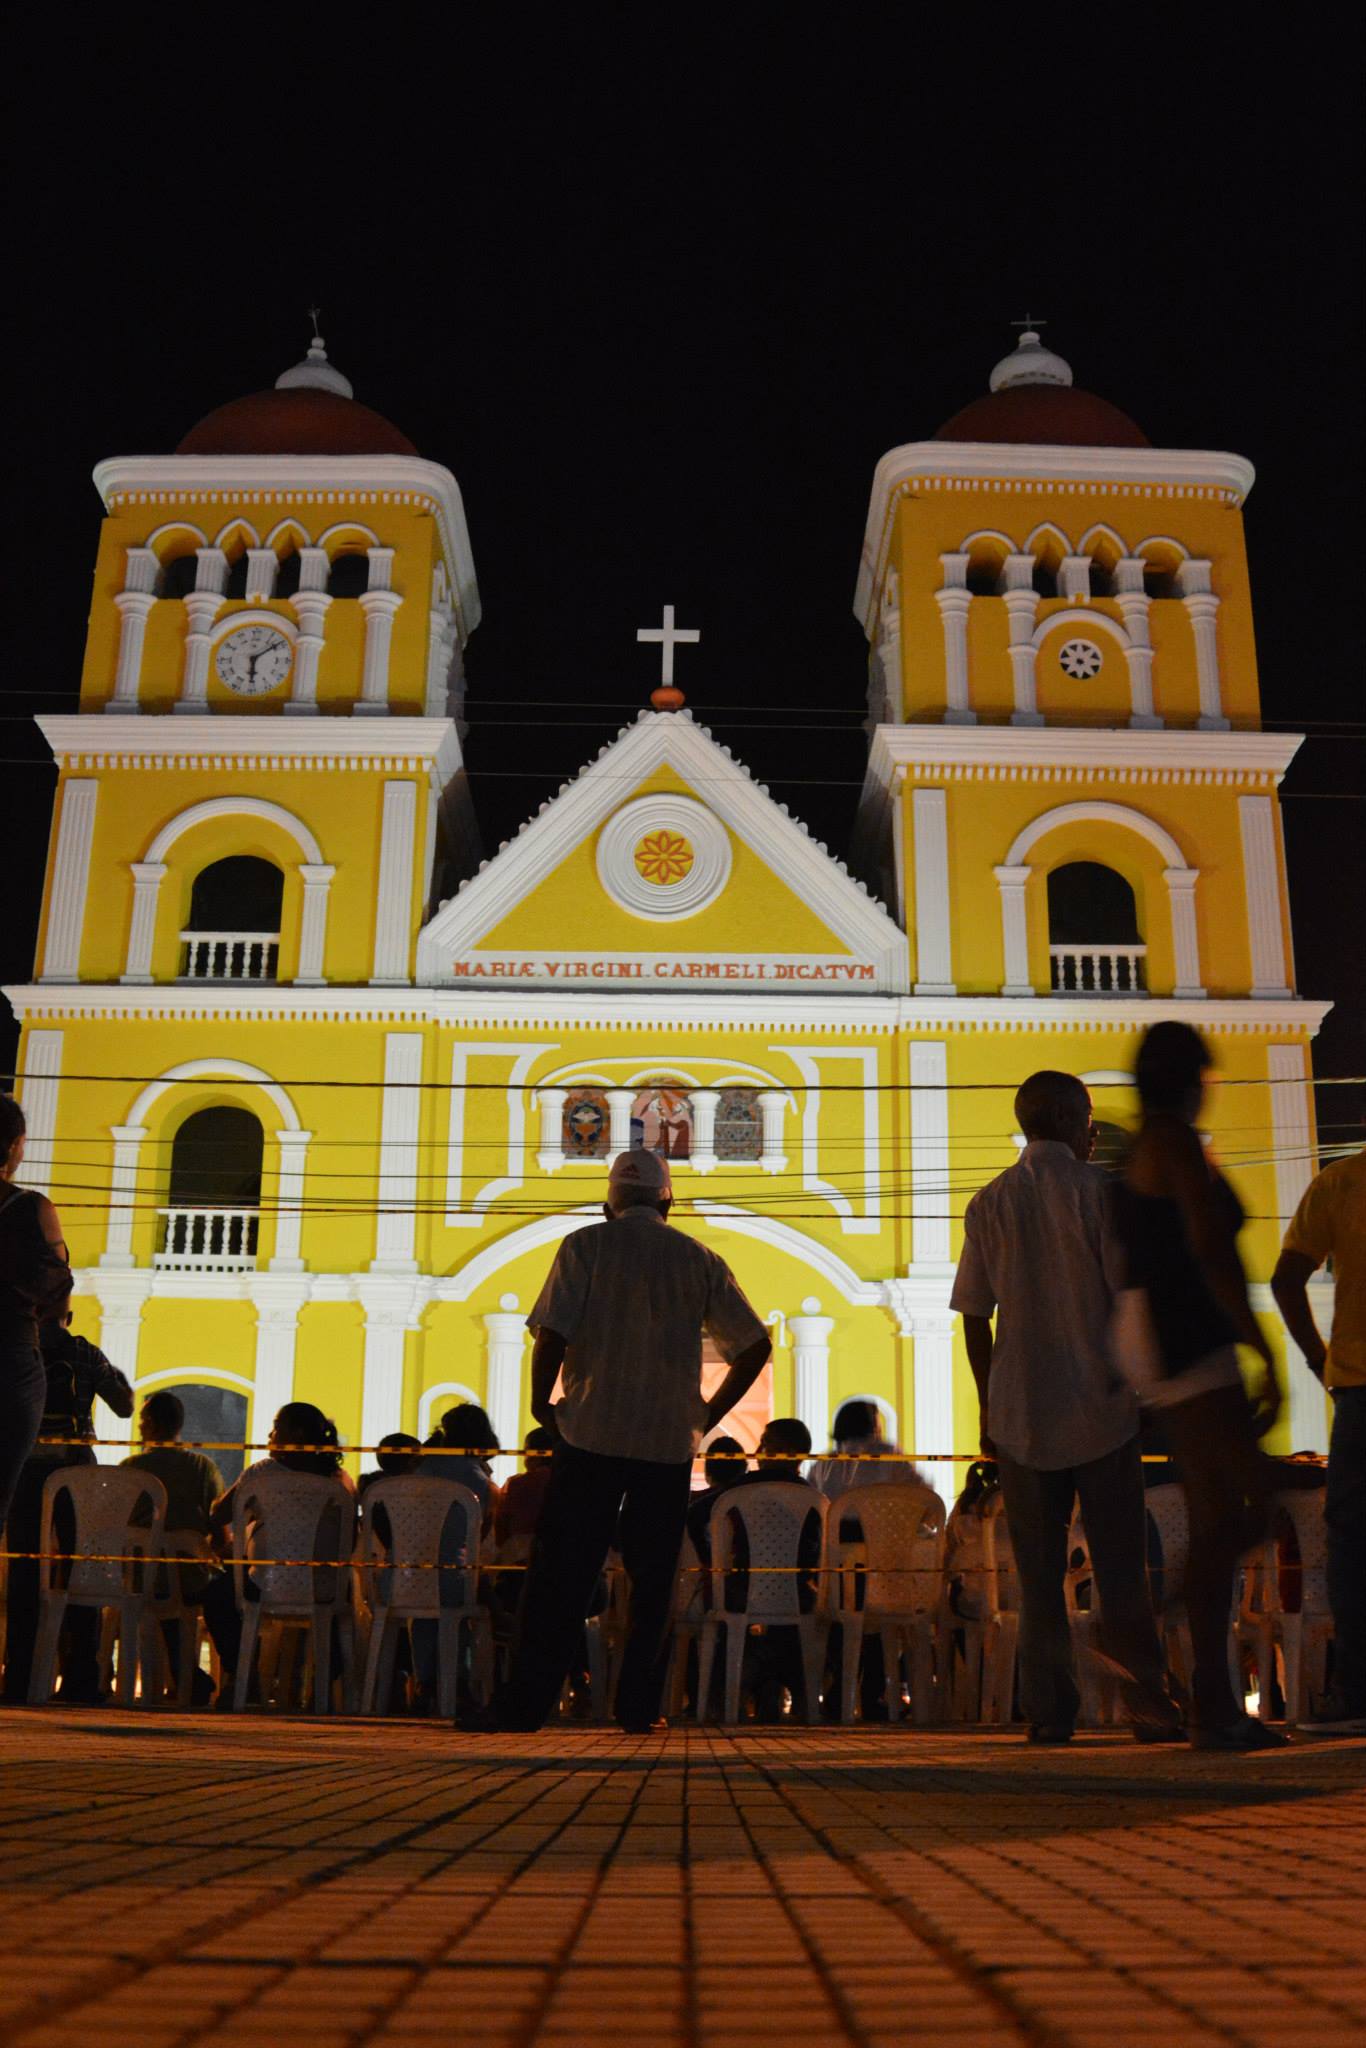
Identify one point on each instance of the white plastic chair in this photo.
(426, 1520)
(1000, 1631)
(772, 1513)
(898, 1564)
(1169, 1525)
(1304, 1633)
(294, 1517)
(689, 1611)
(173, 1610)
(114, 1574)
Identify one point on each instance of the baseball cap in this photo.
(640, 1169)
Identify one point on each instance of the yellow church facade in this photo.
(317, 1092)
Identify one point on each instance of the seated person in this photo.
(725, 1466)
(193, 1483)
(964, 1546)
(862, 1455)
(466, 1431)
(773, 1665)
(395, 1455)
(518, 1509)
(302, 1439)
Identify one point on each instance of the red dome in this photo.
(1057, 413)
(302, 420)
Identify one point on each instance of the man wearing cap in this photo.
(621, 1317)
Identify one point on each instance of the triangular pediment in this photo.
(664, 864)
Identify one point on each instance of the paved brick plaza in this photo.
(171, 1879)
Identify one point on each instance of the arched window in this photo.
(1093, 938)
(661, 1120)
(349, 576)
(739, 1124)
(213, 1415)
(213, 1198)
(984, 576)
(287, 574)
(234, 928)
(586, 1124)
(178, 578)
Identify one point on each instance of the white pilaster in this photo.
(317, 882)
(929, 1062)
(388, 1317)
(123, 1192)
(202, 607)
(1185, 937)
(400, 1125)
(278, 1300)
(810, 1334)
(121, 1297)
(261, 569)
(379, 607)
(38, 1091)
(70, 881)
(1202, 609)
(703, 1102)
(289, 1201)
(1291, 1144)
(933, 942)
(772, 1110)
(1134, 608)
(1074, 576)
(506, 1335)
(134, 607)
(1022, 610)
(148, 876)
(954, 600)
(211, 574)
(1014, 930)
(310, 610)
(313, 570)
(394, 893)
(550, 1155)
(934, 1439)
(619, 1102)
(1262, 890)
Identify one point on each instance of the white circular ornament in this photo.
(663, 857)
(1080, 659)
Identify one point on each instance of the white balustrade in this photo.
(208, 1240)
(1097, 970)
(229, 956)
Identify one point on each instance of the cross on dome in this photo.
(667, 637)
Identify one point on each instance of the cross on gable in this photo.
(669, 636)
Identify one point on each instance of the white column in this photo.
(261, 568)
(123, 1190)
(278, 1301)
(379, 603)
(1134, 608)
(1022, 610)
(1202, 609)
(201, 609)
(1074, 576)
(1185, 938)
(388, 1315)
(1262, 889)
(929, 1151)
(310, 610)
(70, 881)
(810, 1333)
(506, 1334)
(773, 1110)
(148, 876)
(38, 1091)
(933, 1439)
(289, 1200)
(550, 1156)
(703, 1103)
(317, 881)
(619, 1102)
(121, 1298)
(954, 600)
(134, 608)
(1014, 930)
(1291, 1144)
(933, 944)
(394, 891)
(400, 1124)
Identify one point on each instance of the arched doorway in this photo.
(234, 928)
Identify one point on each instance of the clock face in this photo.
(254, 661)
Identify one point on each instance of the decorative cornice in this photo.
(988, 465)
(657, 1009)
(207, 740)
(1016, 753)
(241, 480)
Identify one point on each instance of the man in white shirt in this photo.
(621, 1318)
(1056, 1415)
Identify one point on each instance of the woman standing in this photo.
(35, 1286)
(1177, 1220)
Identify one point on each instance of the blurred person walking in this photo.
(35, 1287)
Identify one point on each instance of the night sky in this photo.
(661, 302)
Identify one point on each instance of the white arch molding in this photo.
(315, 877)
(442, 1391)
(1013, 876)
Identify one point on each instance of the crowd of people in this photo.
(1102, 1313)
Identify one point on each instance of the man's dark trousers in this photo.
(1039, 1511)
(1344, 1511)
(593, 1501)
